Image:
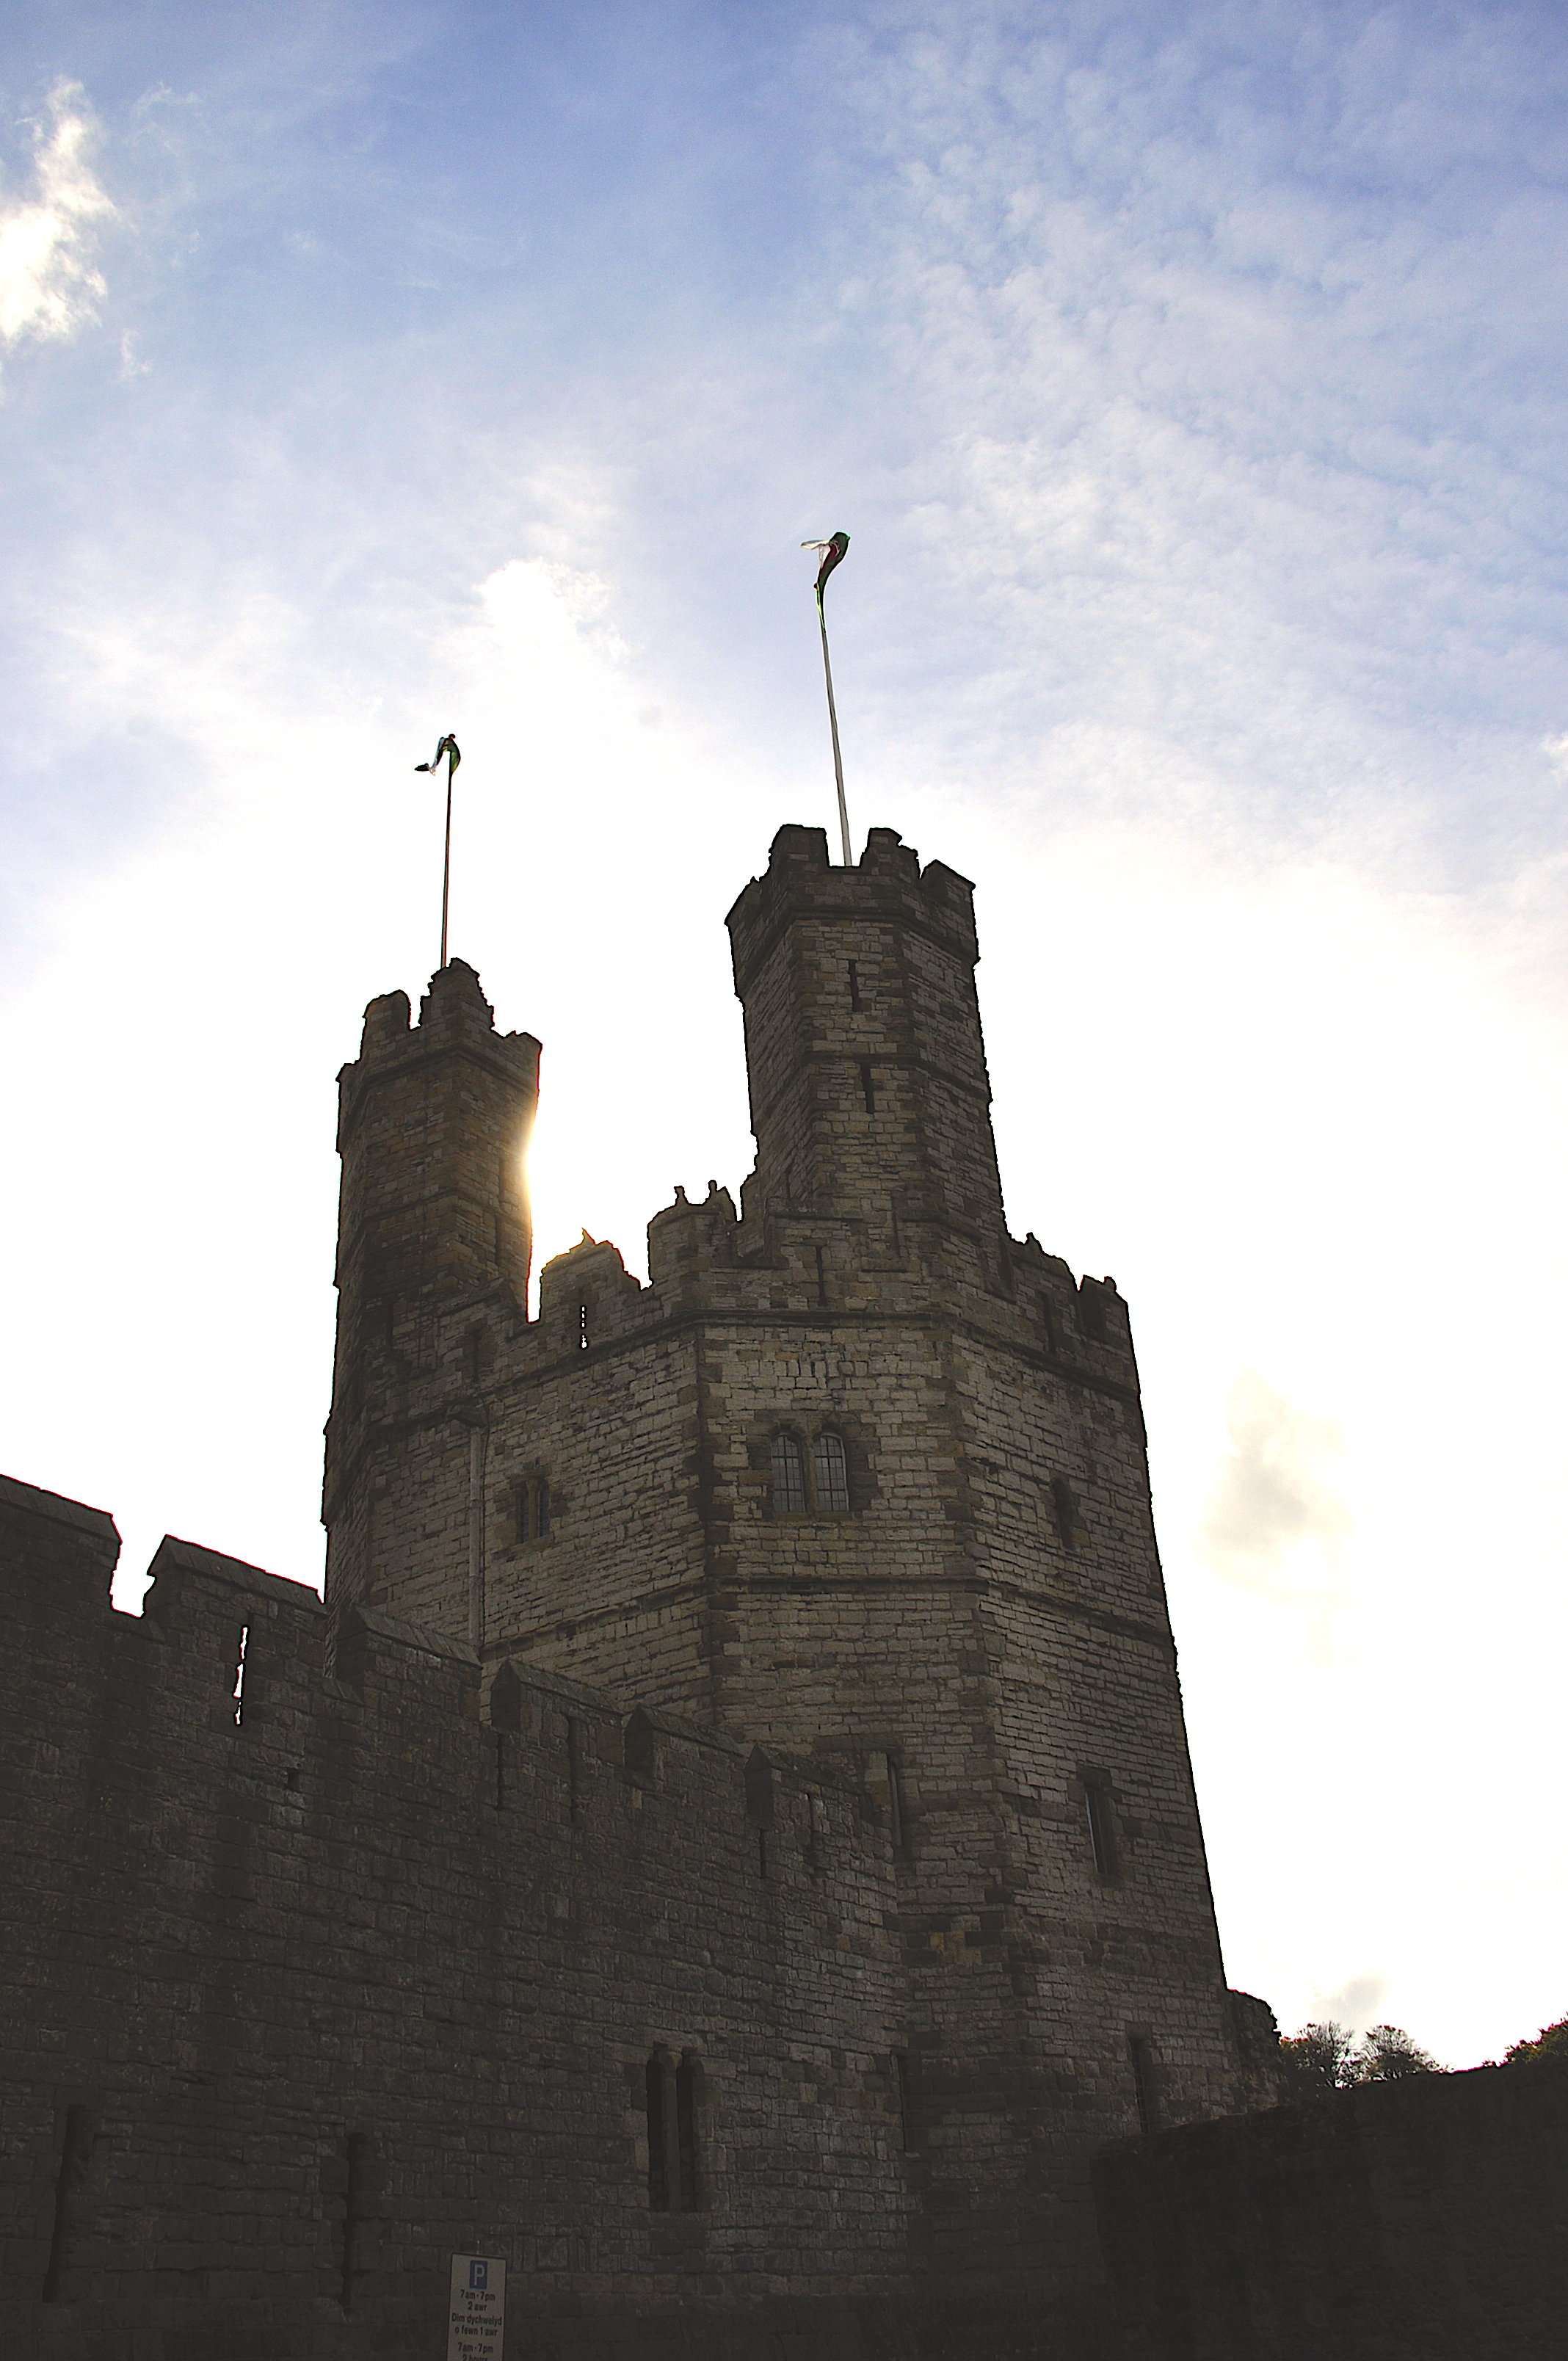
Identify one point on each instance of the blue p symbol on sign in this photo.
(479, 2275)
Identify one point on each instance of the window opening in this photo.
(574, 1763)
(524, 1513)
(500, 1769)
(75, 2156)
(854, 984)
(789, 1476)
(762, 1852)
(541, 1508)
(895, 1800)
(901, 2086)
(1142, 2053)
(869, 1093)
(831, 1468)
(658, 2168)
(471, 1355)
(355, 2210)
(1102, 1828)
(582, 1327)
(1065, 1509)
(686, 2128)
(239, 1674)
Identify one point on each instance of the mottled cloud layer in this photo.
(1275, 1504)
(50, 282)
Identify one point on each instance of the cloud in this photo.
(1275, 1519)
(1356, 2003)
(1556, 752)
(49, 281)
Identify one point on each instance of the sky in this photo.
(1189, 379)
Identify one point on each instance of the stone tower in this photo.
(857, 1478)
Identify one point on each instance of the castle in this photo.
(725, 1843)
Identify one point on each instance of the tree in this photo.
(1550, 2042)
(1326, 2056)
(1317, 2059)
(1387, 2055)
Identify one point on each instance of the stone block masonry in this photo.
(1424, 2219)
(726, 1841)
(306, 1988)
(858, 1475)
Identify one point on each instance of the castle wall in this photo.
(296, 2004)
(1421, 2220)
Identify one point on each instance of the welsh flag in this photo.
(448, 748)
(832, 556)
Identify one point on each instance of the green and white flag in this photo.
(448, 747)
(832, 555)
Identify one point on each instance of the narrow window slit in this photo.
(685, 2129)
(1102, 1828)
(868, 1093)
(582, 1327)
(896, 1812)
(901, 2088)
(355, 2208)
(75, 2156)
(658, 2166)
(1141, 2052)
(239, 1674)
(854, 984)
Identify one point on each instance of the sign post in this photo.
(477, 2323)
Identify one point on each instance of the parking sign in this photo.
(477, 2323)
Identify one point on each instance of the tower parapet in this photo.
(870, 1094)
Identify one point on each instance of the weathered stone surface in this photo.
(746, 1907)
(1422, 2220)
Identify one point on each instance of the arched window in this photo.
(830, 1468)
(789, 1476)
(673, 2097)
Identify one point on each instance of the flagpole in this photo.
(446, 863)
(833, 725)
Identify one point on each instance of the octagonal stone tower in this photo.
(857, 1478)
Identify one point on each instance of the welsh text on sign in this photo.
(476, 2324)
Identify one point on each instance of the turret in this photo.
(433, 1122)
(869, 1095)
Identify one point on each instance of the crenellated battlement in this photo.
(316, 1889)
(223, 1647)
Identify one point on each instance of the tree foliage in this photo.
(1327, 2057)
(1550, 2042)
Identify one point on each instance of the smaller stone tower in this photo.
(870, 1096)
(433, 1122)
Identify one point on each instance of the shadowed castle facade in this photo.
(728, 1841)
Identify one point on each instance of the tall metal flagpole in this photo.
(446, 859)
(833, 552)
(448, 746)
